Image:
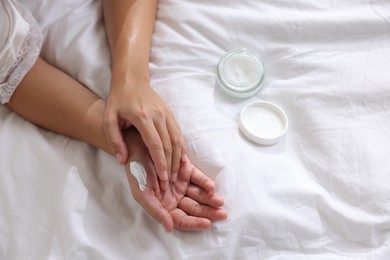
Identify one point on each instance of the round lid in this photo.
(263, 122)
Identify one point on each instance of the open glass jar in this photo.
(240, 73)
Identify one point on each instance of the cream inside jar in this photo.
(240, 73)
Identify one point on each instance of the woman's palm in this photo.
(189, 204)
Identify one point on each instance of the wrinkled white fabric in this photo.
(20, 43)
(321, 193)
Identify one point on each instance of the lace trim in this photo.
(28, 53)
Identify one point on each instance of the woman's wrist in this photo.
(129, 79)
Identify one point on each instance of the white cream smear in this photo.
(138, 171)
(263, 122)
(242, 70)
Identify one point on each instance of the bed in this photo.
(322, 192)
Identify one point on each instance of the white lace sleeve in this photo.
(20, 44)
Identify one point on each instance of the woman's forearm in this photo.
(53, 100)
(129, 26)
(132, 102)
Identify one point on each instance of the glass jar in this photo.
(240, 73)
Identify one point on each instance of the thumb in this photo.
(115, 141)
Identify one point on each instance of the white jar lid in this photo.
(263, 122)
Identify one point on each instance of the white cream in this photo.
(138, 171)
(240, 73)
(242, 70)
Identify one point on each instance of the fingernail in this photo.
(184, 158)
(118, 158)
(166, 185)
(165, 228)
(165, 176)
(174, 177)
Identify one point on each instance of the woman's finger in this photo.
(178, 146)
(154, 208)
(152, 140)
(208, 198)
(200, 179)
(114, 137)
(185, 222)
(195, 209)
(162, 130)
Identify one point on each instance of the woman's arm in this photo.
(51, 99)
(132, 101)
(129, 26)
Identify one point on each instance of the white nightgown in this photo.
(20, 44)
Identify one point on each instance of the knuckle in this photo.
(177, 142)
(144, 113)
(181, 223)
(205, 197)
(160, 159)
(112, 142)
(195, 209)
(175, 167)
(156, 145)
(168, 149)
(141, 115)
(167, 110)
(159, 112)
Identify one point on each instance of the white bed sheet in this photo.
(321, 193)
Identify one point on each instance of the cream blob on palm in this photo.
(263, 122)
(240, 73)
(137, 169)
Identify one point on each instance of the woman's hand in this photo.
(132, 102)
(141, 107)
(189, 204)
